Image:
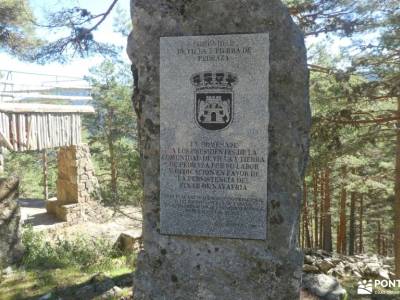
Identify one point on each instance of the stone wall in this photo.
(78, 191)
(184, 267)
(10, 235)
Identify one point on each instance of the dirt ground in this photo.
(126, 220)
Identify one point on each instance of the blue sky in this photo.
(77, 67)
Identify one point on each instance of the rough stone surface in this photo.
(172, 267)
(78, 192)
(10, 216)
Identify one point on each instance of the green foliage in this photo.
(76, 26)
(353, 97)
(342, 17)
(366, 150)
(112, 134)
(122, 23)
(16, 30)
(83, 252)
(29, 168)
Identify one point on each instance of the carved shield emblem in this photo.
(213, 99)
(214, 110)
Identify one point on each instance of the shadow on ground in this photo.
(33, 212)
(95, 287)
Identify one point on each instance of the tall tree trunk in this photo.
(45, 176)
(379, 238)
(306, 227)
(360, 224)
(315, 199)
(321, 210)
(301, 229)
(384, 246)
(338, 241)
(352, 229)
(341, 244)
(113, 164)
(397, 197)
(327, 214)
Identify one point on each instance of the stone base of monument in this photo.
(180, 268)
(78, 191)
(76, 213)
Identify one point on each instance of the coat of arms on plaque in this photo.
(214, 99)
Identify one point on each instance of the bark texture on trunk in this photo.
(321, 210)
(315, 202)
(397, 198)
(306, 226)
(341, 239)
(327, 213)
(360, 224)
(352, 227)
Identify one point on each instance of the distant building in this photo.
(28, 87)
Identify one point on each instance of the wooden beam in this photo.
(27, 108)
(5, 142)
(45, 176)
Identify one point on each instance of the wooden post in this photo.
(327, 227)
(397, 197)
(45, 176)
(352, 227)
(341, 244)
(306, 227)
(361, 241)
(321, 210)
(316, 215)
(379, 238)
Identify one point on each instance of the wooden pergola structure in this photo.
(25, 127)
(38, 127)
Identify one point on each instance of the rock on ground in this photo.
(342, 266)
(324, 286)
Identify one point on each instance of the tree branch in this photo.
(105, 14)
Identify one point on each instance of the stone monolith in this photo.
(250, 250)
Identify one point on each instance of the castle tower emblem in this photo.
(213, 99)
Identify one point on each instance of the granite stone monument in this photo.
(221, 95)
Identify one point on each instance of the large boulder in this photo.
(10, 225)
